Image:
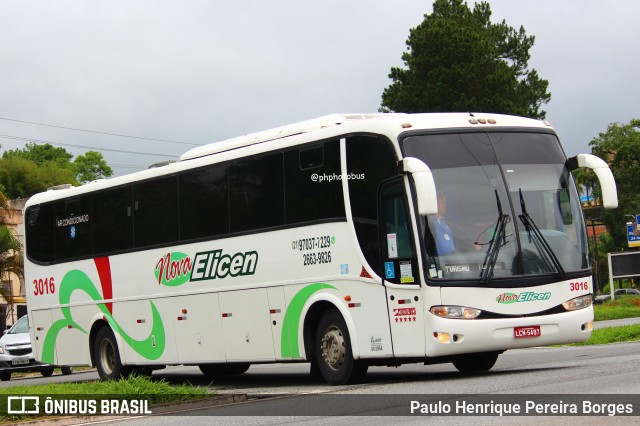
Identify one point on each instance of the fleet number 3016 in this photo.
(44, 286)
(581, 285)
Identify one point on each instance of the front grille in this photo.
(18, 352)
(552, 311)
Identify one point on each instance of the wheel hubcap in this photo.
(107, 356)
(333, 347)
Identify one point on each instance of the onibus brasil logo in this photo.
(527, 296)
(176, 268)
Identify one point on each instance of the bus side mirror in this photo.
(603, 172)
(424, 183)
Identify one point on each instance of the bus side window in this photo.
(150, 198)
(40, 235)
(400, 266)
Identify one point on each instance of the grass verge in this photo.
(625, 333)
(135, 387)
(624, 307)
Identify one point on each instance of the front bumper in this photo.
(487, 335)
(6, 364)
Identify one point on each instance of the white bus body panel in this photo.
(212, 319)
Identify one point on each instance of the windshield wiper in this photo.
(539, 241)
(499, 239)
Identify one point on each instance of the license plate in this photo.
(524, 332)
(20, 361)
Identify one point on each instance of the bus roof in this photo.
(389, 124)
(395, 122)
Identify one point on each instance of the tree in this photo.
(41, 154)
(585, 181)
(458, 60)
(22, 178)
(34, 168)
(619, 146)
(91, 166)
(11, 260)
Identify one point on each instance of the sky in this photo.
(192, 72)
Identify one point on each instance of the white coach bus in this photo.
(344, 241)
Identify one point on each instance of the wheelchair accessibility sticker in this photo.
(389, 270)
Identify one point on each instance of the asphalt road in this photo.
(278, 391)
(616, 323)
(554, 373)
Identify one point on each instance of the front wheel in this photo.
(476, 363)
(66, 370)
(333, 351)
(107, 357)
(5, 376)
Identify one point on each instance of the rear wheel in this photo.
(219, 370)
(66, 370)
(314, 371)
(476, 363)
(47, 371)
(333, 351)
(107, 357)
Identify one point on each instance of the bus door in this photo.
(400, 272)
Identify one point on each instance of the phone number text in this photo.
(318, 258)
(313, 243)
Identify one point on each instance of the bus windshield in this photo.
(507, 206)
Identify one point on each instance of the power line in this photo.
(99, 133)
(19, 138)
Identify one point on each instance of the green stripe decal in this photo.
(289, 345)
(78, 280)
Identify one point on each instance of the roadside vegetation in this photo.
(625, 333)
(622, 307)
(134, 387)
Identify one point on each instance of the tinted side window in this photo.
(112, 220)
(312, 199)
(156, 212)
(39, 232)
(374, 159)
(204, 202)
(72, 228)
(397, 247)
(256, 193)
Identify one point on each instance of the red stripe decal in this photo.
(104, 272)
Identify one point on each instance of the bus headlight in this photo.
(455, 312)
(577, 303)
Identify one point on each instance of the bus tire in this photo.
(314, 371)
(107, 357)
(66, 370)
(333, 351)
(475, 363)
(46, 371)
(5, 376)
(220, 370)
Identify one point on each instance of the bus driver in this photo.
(442, 232)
